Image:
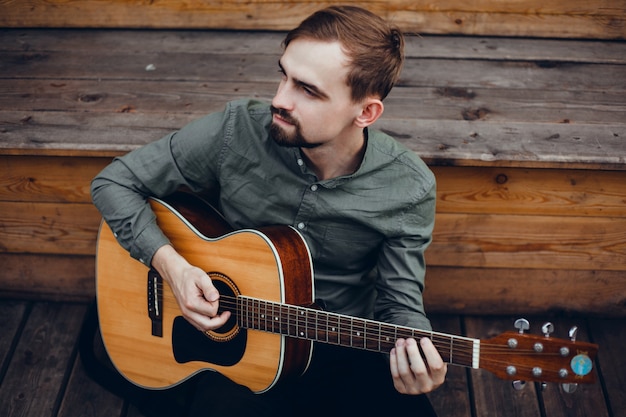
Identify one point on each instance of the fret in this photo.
(372, 335)
(357, 332)
(344, 339)
(274, 318)
(303, 322)
(451, 349)
(291, 321)
(264, 316)
(333, 329)
(311, 324)
(240, 313)
(322, 327)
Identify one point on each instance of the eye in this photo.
(308, 91)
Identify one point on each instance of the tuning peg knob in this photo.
(569, 388)
(543, 386)
(519, 385)
(572, 333)
(547, 329)
(522, 325)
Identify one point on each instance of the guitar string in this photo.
(462, 355)
(464, 351)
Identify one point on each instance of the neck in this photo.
(337, 158)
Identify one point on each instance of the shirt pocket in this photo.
(349, 248)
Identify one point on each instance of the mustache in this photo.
(284, 114)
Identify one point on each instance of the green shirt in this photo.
(367, 231)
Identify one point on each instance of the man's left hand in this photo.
(411, 373)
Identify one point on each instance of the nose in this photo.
(281, 99)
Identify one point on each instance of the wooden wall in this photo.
(597, 19)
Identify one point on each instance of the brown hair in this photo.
(375, 48)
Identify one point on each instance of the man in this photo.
(363, 203)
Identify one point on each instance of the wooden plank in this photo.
(530, 191)
(204, 67)
(610, 335)
(47, 277)
(464, 290)
(85, 397)
(528, 242)
(467, 143)
(36, 375)
(48, 179)
(263, 42)
(268, 43)
(460, 143)
(12, 313)
(470, 240)
(405, 102)
(596, 19)
(452, 398)
(64, 229)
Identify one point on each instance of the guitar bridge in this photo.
(155, 302)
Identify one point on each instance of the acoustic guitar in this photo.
(265, 279)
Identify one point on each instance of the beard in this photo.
(282, 137)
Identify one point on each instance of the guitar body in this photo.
(272, 264)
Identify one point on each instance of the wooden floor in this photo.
(41, 373)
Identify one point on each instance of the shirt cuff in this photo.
(147, 243)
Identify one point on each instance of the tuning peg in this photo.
(569, 388)
(543, 386)
(572, 333)
(547, 329)
(522, 325)
(519, 385)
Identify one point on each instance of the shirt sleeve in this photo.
(401, 267)
(183, 158)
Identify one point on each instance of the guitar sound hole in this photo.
(228, 293)
(224, 346)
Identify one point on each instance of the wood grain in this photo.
(46, 350)
(595, 19)
(492, 291)
(40, 276)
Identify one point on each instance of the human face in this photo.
(313, 106)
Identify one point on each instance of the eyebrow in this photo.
(301, 83)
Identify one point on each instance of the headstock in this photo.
(521, 356)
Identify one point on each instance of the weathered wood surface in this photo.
(42, 373)
(481, 105)
(600, 19)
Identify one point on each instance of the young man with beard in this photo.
(363, 203)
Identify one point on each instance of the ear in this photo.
(371, 110)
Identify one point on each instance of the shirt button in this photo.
(300, 162)
(300, 226)
(314, 187)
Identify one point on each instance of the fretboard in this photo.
(337, 329)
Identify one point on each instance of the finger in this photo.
(395, 373)
(414, 357)
(437, 367)
(402, 360)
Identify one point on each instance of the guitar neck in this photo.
(337, 329)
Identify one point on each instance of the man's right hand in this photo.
(197, 297)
